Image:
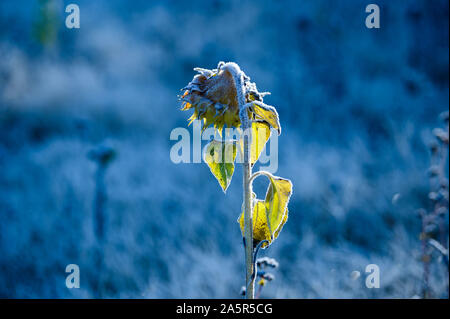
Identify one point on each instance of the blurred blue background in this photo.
(356, 105)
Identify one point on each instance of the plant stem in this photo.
(248, 225)
(247, 185)
(425, 261)
(99, 225)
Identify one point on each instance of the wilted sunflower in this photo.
(212, 94)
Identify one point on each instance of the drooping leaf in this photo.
(270, 215)
(267, 113)
(261, 229)
(277, 198)
(260, 135)
(220, 158)
(283, 221)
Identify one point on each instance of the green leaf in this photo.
(220, 158)
(270, 215)
(266, 113)
(260, 136)
(277, 198)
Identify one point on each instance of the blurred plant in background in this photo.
(263, 276)
(47, 23)
(434, 235)
(103, 156)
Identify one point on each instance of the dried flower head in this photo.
(212, 94)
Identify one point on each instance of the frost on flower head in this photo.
(212, 94)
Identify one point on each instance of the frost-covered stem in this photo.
(259, 173)
(248, 224)
(247, 172)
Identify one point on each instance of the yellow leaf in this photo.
(261, 229)
(266, 113)
(277, 198)
(260, 136)
(285, 218)
(270, 215)
(220, 158)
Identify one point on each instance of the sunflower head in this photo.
(212, 94)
